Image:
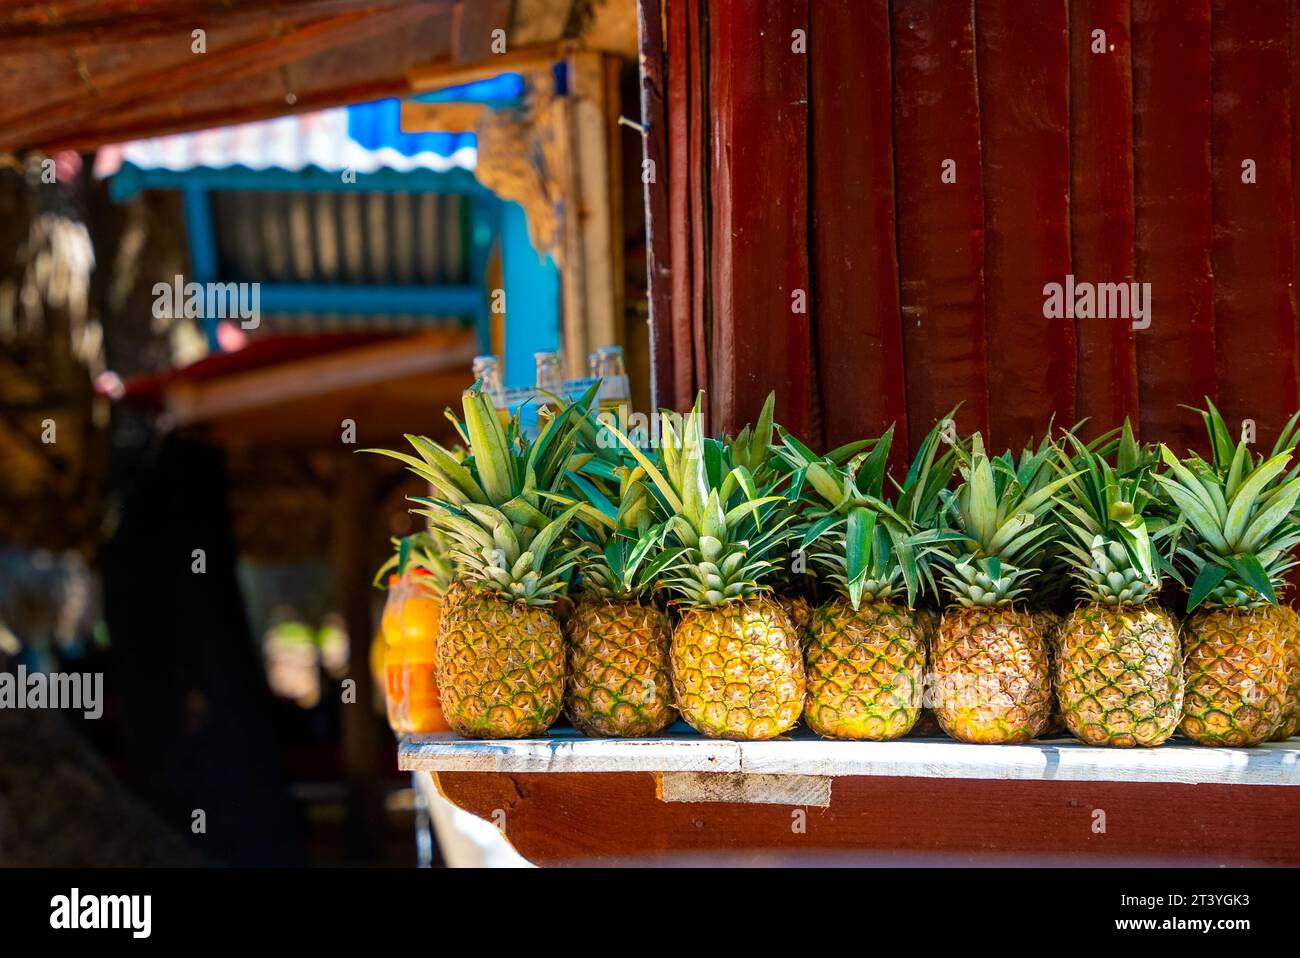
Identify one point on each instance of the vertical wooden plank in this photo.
(677, 393)
(656, 187)
(1253, 252)
(1172, 214)
(1101, 204)
(854, 251)
(758, 103)
(700, 203)
(1023, 67)
(940, 225)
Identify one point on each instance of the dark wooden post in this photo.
(353, 500)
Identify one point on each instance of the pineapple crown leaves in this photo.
(491, 506)
(617, 523)
(723, 522)
(1236, 512)
(999, 516)
(931, 472)
(863, 545)
(1108, 537)
(428, 551)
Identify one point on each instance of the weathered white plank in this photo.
(745, 789)
(1061, 760)
(569, 752)
(1277, 763)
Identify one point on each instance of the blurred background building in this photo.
(408, 185)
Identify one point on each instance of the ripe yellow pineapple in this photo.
(500, 667)
(619, 683)
(737, 670)
(990, 667)
(1291, 711)
(1118, 668)
(1236, 676)
(1119, 675)
(500, 657)
(865, 649)
(993, 684)
(865, 670)
(1240, 543)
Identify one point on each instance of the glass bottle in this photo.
(615, 389)
(487, 369)
(550, 383)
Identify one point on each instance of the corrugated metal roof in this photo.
(378, 238)
(329, 140)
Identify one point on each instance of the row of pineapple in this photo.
(675, 573)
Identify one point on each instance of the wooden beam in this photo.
(539, 21)
(172, 116)
(472, 26)
(143, 21)
(191, 402)
(445, 73)
(36, 126)
(439, 117)
(619, 818)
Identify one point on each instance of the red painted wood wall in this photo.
(804, 239)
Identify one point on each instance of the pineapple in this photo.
(619, 681)
(737, 671)
(1049, 623)
(1291, 711)
(990, 665)
(1118, 662)
(1240, 537)
(865, 648)
(751, 450)
(927, 724)
(500, 657)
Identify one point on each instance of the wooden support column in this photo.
(589, 281)
(353, 566)
(655, 173)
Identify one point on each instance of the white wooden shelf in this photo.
(681, 750)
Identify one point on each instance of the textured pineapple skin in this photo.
(619, 678)
(1290, 624)
(737, 669)
(1236, 676)
(1119, 675)
(927, 725)
(500, 666)
(991, 675)
(866, 670)
(1049, 623)
(799, 610)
